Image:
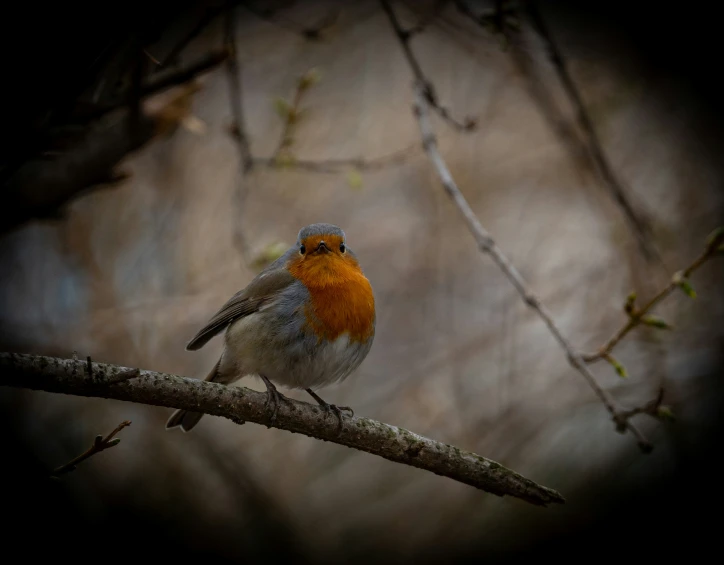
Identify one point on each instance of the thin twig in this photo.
(334, 166)
(66, 376)
(235, 92)
(238, 131)
(637, 316)
(312, 33)
(99, 444)
(501, 19)
(653, 408)
(427, 88)
(486, 244)
(428, 17)
(292, 113)
(639, 225)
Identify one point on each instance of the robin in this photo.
(304, 322)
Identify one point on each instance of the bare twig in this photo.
(99, 444)
(291, 114)
(639, 316)
(429, 15)
(239, 404)
(501, 19)
(486, 244)
(235, 93)
(312, 33)
(238, 130)
(333, 166)
(427, 88)
(653, 408)
(638, 223)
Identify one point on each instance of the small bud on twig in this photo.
(618, 367)
(715, 241)
(629, 306)
(310, 78)
(656, 322)
(665, 413)
(684, 284)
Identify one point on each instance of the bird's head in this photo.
(322, 257)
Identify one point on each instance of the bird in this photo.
(304, 322)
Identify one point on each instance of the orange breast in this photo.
(341, 298)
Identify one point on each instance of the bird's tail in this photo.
(186, 419)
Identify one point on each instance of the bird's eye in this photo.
(302, 250)
(342, 248)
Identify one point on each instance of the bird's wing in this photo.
(264, 288)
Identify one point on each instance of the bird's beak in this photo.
(322, 248)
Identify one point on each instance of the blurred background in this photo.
(131, 215)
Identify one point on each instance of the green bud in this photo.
(628, 307)
(114, 441)
(656, 322)
(270, 253)
(310, 78)
(354, 179)
(620, 369)
(665, 413)
(284, 161)
(282, 107)
(685, 285)
(715, 241)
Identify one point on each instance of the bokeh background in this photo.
(128, 273)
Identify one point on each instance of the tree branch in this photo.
(334, 166)
(209, 16)
(210, 61)
(99, 444)
(639, 316)
(235, 94)
(427, 88)
(291, 114)
(487, 245)
(639, 225)
(312, 33)
(68, 376)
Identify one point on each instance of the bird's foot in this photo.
(331, 408)
(273, 399)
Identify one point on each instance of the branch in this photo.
(312, 33)
(653, 408)
(333, 166)
(429, 15)
(209, 16)
(501, 19)
(487, 245)
(99, 444)
(427, 88)
(638, 316)
(235, 94)
(291, 114)
(238, 130)
(639, 226)
(42, 188)
(202, 66)
(68, 376)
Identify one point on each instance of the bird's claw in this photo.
(337, 410)
(273, 399)
(329, 408)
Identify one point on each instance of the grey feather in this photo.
(264, 288)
